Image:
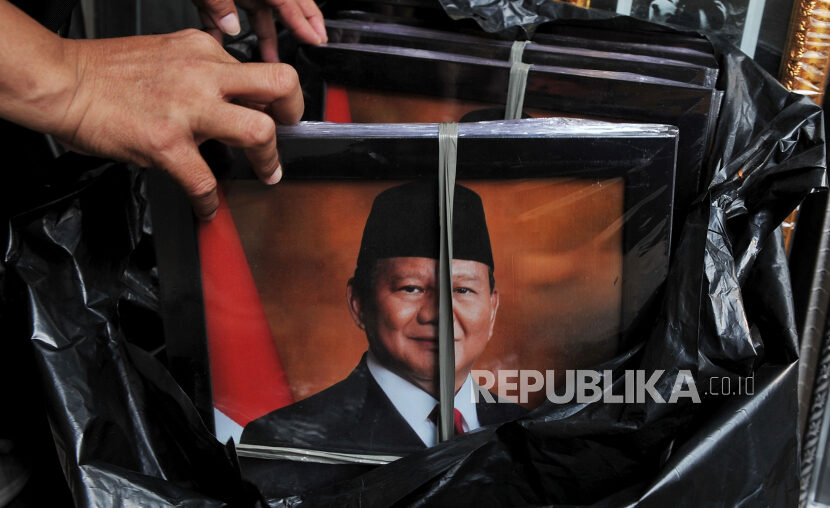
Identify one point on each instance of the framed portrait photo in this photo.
(320, 293)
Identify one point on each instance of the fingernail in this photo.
(230, 24)
(275, 177)
(209, 217)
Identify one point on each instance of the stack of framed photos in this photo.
(382, 72)
(321, 294)
(558, 51)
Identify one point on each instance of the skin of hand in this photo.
(302, 17)
(150, 100)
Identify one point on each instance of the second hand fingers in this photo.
(223, 14)
(315, 18)
(262, 23)
(295, 20)
(210, 27)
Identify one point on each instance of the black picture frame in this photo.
(386, 34)
(643, 155)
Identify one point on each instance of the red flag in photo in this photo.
(246, 372)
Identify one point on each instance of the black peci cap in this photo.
(404, 223)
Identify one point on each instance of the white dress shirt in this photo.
(415, 405)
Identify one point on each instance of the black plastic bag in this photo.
(126, 433)
(124, 430)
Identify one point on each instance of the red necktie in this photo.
(457, 423)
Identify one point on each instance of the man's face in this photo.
(402, 320)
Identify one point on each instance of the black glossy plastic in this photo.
(126, 433)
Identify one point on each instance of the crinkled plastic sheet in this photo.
(127, 434)
(512, 18)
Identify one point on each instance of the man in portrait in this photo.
(388, 404)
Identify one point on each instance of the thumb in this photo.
(224, 15)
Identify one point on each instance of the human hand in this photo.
(152, 100)
(302, 17)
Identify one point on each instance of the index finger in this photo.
(294, 17)
(275, 85)
(315, 18)
(262, 22)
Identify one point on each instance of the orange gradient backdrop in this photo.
(557, 247)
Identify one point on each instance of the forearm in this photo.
(150, 100)
(37, 72)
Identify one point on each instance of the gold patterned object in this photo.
(806, 62)
(579, 3)
(806, 59)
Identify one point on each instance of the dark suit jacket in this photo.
(352, 416)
